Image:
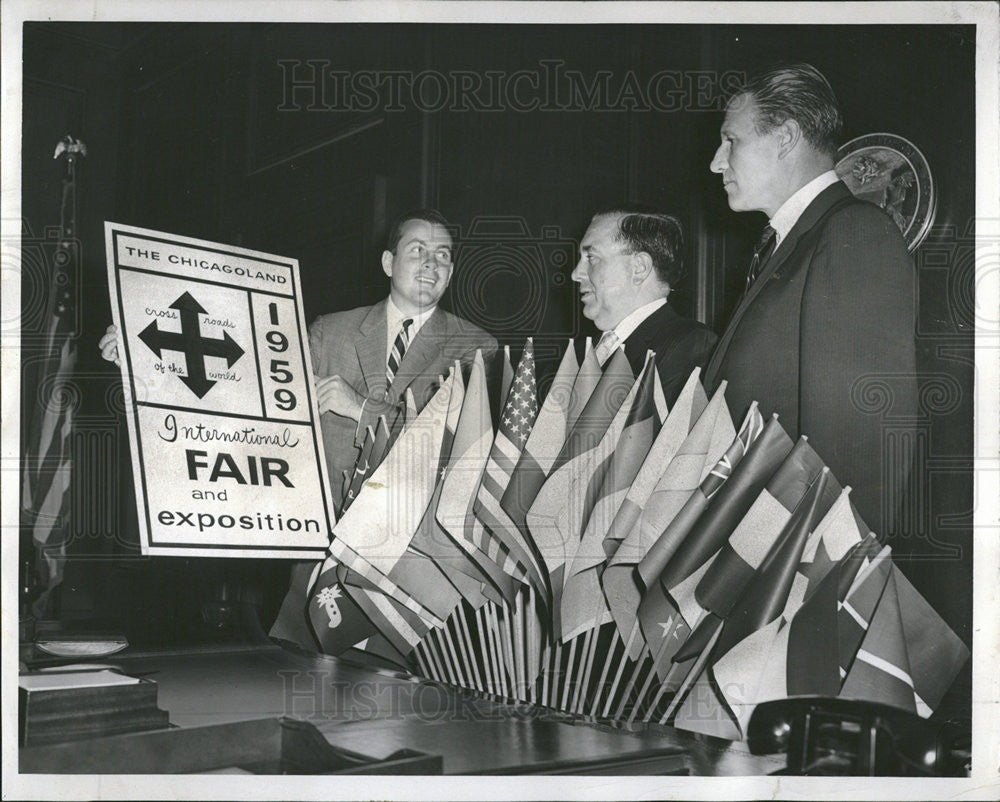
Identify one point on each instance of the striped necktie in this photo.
(399, 346)
(761, 252)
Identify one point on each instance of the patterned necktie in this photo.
(606, 346)
(398, 349)
(762, 250)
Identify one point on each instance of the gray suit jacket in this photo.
(352, 344)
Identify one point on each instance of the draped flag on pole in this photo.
(797, 652)
(693, 438)
(587, 378)
(557, 515)
(352, 485)
(400, 626)
(583, 603)
(761, 601)
(506, 377)
(773, 512)
(724, 498)
(430, 539)
(469, 453)
(909, 656)
(506, 544)
(47, 460)
(541, 448)
(376, 530)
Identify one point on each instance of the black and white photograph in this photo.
(599, 397)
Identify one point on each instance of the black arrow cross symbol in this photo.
(190, 343)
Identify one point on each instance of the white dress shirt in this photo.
(790, 211)
(394, 324)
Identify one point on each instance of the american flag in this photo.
(45, 501)
(503, 541)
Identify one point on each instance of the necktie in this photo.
(606, 346)
(398, 349)
(762, 250)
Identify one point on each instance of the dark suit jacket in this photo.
(352, 344)
(681, 345)
(825, 338)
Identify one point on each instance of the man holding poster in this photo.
(365, 359)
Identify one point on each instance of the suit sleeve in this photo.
(858, 380)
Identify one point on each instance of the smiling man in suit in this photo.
(365, 359)
(630, 258)
(824, 334)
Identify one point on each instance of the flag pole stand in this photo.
(599, 692)
(613, 690)
(691, 677)
(630, 685)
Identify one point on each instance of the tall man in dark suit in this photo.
(629, 261)
(824, 335)
(365, 359)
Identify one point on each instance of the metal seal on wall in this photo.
(892, 173)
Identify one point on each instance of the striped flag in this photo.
(542, 446)
(909, 656)
(760, 603)
(47, 456)
(797, 653)
(505, 542)
(376, 531)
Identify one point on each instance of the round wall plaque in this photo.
(892, 173)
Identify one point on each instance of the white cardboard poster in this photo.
(226, 450)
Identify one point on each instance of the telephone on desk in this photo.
(834, 736)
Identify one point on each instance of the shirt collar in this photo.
(395, 318)
(631, 321)
(791, 210)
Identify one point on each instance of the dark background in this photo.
(186, 133)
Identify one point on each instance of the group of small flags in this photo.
(608, 557)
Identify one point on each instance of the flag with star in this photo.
(694, 437)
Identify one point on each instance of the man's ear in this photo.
(642, 266)
(788, 135)
(387, 263)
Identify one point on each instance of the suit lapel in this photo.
(813, 213)
(371, 347)
(422, 350)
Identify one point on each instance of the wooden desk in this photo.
(375, 713)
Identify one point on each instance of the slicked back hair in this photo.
(643, 230)
(427, 215)
(797, 92)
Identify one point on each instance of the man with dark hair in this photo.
(365, 359)
(824, 334)
(630, 259)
